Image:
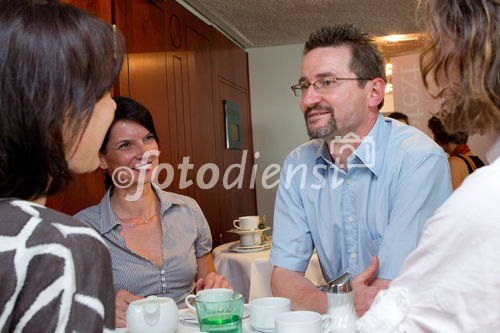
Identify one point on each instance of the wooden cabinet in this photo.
(182, 70)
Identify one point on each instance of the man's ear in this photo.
(377, 92)
(102, 162)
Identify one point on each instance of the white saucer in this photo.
(189, 316)
(247, 232)
(237, 247)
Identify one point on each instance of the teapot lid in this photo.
(341, 285)
(152, 300)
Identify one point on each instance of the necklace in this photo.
(145, 221)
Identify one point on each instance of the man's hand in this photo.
(294, 286)
(212, 280)
(122, 299)
(365, 287)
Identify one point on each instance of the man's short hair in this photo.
(366, 61)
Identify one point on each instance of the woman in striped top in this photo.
(159, 241)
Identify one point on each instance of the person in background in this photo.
(450, 283)
(357, 188)
(160, 242)
(400, 116)
(462, 160)
(57, 66)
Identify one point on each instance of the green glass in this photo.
(220, 312)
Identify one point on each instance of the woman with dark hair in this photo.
(57, 65)
(399, 116)
(450, 282)
(462, 160)
(159, 241)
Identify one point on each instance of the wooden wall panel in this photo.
(178, 92)
(230, 67)
(142, 24)
(229, 61)
(202, 124)
(99, 8)
(236, 201)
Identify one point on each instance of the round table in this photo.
(250, 272)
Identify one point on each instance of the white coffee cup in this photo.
(247, 222)
(302, 321)
(215, 294)
(263, 312)
(251, 239)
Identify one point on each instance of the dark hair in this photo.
(128, 109)
(56, 62)
(464, 38)
(399, 116)
(366, 62)
(443, 137)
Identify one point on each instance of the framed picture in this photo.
(233, 125)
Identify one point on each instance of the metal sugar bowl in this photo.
(341, 305)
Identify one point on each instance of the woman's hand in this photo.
(122, 299)
(212, 280)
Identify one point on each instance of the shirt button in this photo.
(348, 181)
(163, 279)
(162, 271)
(164, 285)
(350, 219)
(353, 255)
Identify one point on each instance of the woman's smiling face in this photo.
(128, 142)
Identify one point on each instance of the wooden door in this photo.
(144, 73)
(230, 81)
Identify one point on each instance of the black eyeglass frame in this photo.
(297, 88)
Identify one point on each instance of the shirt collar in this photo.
(108, 219)
(369, 154)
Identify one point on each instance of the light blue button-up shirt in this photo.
(396, 179)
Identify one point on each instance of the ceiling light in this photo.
(399, 38)
(388, 69)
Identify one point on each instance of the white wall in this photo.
(277, 122)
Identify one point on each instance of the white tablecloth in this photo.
(183, 327)
(250, 273)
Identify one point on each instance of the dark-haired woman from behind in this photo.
(57, 65)
(159, 241)
(462, 160)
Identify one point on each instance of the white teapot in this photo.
(152, 315)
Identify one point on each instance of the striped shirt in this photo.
(185, 237)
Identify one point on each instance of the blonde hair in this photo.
(464, 35)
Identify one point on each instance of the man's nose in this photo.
(310, 97)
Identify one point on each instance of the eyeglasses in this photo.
(322, 85)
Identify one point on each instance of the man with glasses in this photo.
(363, 186)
